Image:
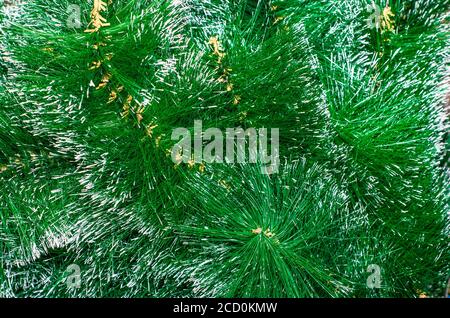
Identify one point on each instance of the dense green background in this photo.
(362, 136)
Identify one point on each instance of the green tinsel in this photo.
(87, 108)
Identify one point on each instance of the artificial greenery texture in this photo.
(86, 115)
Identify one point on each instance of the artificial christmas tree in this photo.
(93, 204)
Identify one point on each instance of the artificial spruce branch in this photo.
(87, 112)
